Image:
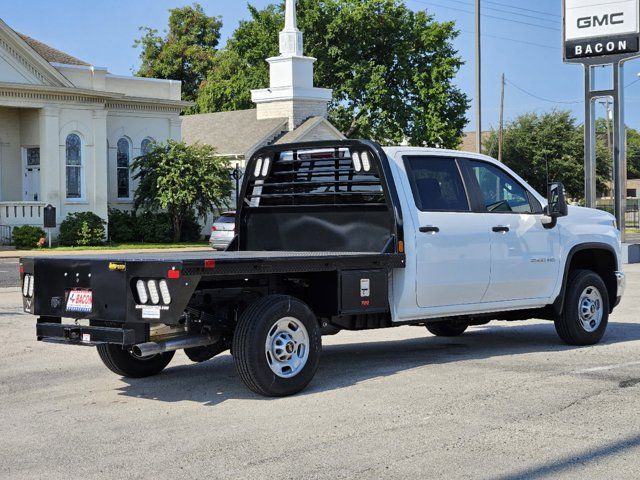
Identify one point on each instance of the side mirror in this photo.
(557, 202)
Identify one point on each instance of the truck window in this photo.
(501, 193)
(436, 184)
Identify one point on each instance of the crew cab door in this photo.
(525, 256)
(452, 244)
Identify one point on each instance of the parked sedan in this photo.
(223, 231)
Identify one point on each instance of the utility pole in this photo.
(609, 116)
(501, 128)
(478, 79)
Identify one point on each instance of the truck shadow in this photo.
(344, 365)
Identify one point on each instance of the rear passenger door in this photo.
(452, 244)
(524, 254)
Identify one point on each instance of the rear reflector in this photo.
(21, 269)
(209, 264)
(173, 274)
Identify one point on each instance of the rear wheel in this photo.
(277, 346)
(449, 328)
(125, 364)
(585, 315)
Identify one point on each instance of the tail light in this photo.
(153, 291)
(214, 229)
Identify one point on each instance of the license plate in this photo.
(80, 301)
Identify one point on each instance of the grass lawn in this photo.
(132, 246)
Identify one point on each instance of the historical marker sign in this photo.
(597, 28)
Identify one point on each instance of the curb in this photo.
(9, 289)
(15, 254)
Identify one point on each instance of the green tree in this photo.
(182, 179)
(391, 69)
(532, 141)
(186, 51)
(633, 153)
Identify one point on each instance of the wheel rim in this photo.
(590, 309)
(287, 347)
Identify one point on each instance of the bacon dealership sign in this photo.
(601, 28)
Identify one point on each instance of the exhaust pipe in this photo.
(188, 341)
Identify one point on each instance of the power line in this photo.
(537, 97)
(501, 10)
(521, 8)
(490, 16)
(513, 40)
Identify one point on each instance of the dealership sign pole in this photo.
(603, 33)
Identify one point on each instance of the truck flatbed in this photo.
(235, 262)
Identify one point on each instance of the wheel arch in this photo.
(598, 257)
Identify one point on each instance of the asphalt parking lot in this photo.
(505, 401)
(9, 276)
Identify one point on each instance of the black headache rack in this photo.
(334, 196)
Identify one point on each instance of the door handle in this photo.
(429, 229)
(501, 229)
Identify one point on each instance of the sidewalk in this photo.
(69, 253)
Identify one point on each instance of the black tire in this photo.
(569, 325)
(123, 363)
(249, 345)
(450, 328)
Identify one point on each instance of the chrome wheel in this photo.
(287, 347)
(590, 309)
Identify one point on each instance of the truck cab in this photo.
(479, 238)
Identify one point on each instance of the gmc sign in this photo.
(597, 18)
(596, 28)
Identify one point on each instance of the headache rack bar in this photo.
(310, 181)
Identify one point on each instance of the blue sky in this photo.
(103, 32)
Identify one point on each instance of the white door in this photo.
(31, 182)
(525, 256)
(452, 244)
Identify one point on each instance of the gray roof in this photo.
(50, 54)
(235, 133)
(306, 127)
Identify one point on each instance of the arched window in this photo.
(123, 162)
(73, 162)
(145, 145)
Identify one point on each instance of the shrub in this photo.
(191, 229)
(154, 227)
(82, 229)
(27, 237)
(122, 226)
(150, 227)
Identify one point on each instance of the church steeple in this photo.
(291, 42)
(291, 94)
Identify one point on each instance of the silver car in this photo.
(223, 231)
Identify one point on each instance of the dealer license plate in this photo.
(80, 301)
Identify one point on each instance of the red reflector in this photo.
(21, 269)
(209, 264)
(173, 274)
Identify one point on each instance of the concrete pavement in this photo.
(504, 401)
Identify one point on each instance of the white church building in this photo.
(69, 131)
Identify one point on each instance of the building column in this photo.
(100, 180)
(175, 129)
(51, 165)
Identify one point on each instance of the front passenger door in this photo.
(524, 254)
